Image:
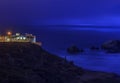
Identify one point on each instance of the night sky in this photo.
(40, 12)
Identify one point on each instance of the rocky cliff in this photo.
(29, 63)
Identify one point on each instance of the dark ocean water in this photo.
(57, 39)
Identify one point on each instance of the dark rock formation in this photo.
(112, 46)
(94, 48)
(81, 50)
(29, 63)
(74, 50)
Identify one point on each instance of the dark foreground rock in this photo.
(29, 63)
(112, 46)
(74, 50)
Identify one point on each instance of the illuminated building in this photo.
(17, 38)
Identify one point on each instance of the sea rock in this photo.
(94, 48)
(74, 50)
(111, 46)
(81, 50)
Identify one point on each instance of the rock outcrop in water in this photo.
(112, 46)
(29, 63)
(74, 50)
(94, 48)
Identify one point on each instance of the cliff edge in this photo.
(29, 63)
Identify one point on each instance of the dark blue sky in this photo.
(36, 12)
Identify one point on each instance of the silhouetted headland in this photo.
(29, 63)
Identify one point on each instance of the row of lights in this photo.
(17, 34)
(24, 38)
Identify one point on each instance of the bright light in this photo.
(17, 34)
(24, 38)
(8, 39)
(20, 37)
(9, 33)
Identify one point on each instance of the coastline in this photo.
(29, 63)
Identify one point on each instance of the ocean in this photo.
(57, 39)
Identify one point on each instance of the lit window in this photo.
(8, 39)
(24, 38)
(18, 38)
(21, 38)
(17, 34)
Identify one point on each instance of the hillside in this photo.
(29, 63)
